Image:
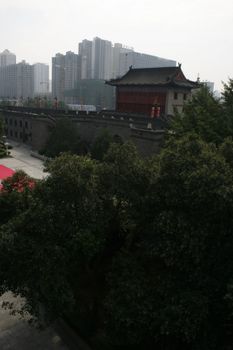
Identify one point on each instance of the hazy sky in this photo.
(197, 33)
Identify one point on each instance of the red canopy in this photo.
(5, 172)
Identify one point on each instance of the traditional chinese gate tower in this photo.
(152, 91)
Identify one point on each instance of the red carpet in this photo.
(5, 172)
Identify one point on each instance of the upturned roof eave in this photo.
(169, 84)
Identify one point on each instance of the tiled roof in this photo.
(162, 76)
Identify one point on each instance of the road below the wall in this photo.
(17, 334)
(21, 159)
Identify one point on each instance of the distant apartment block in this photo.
(94, 92)
(140, 60)
(41, 79)
(118, 51)
(58, 76)
(101, 59)
(98, 60)
(7, 58)
(22, 80)
(72, 74)
(66, 71)
(8, 81)
(85, 52)
(16, 81)
(209, 85)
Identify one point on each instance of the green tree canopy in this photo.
(171, 290)
(137, 252)
(101, 144)
(15, 195)
(208, 117)
(228, 97)
(64, 137)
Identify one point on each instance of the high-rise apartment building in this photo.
(7, 58)
(97, 60)
(41, 79)
(66, 71)
(8, 77)
(24, 80)
(16, 81)
(209, 85)
(118, 49)
(85, 52)
(58, 76)
(72, 75)
(140, 60)
(101, 59)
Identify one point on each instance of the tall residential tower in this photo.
(85, 52)
(101, 59)
(140, 60)
(66, 71)
(16, 81)
(41, 79)
(7, 58)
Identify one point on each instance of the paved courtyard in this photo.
(16, 334)
(21, 159)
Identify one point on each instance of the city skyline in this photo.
(197, 34)
(96, 60)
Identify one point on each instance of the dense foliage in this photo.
(15, 195)
(64, 137)
(135, 253)
(208, 117)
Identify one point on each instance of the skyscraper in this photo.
(16, 81)
(8, 79)
(41, 79)
(117, 50)
(66, 71)
(141, 60)
(72, 75)
(7, 58)
(24, 80)
(101, 59)
(58, 76)
(85, 51)
(97, 60)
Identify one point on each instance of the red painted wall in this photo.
(139, 101)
